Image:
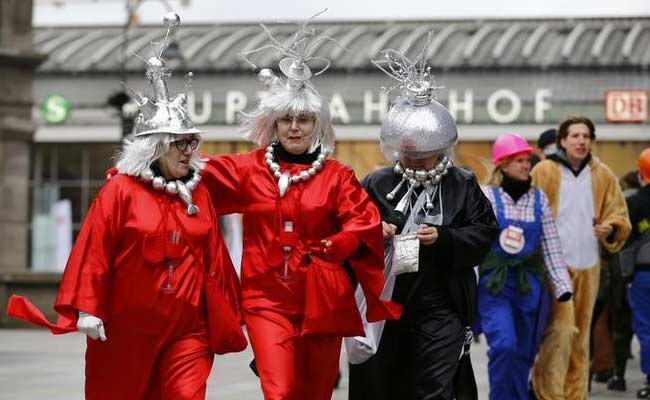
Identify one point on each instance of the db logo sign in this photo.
(626, 105)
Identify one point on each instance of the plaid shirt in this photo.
(524, 210)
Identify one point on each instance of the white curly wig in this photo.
(292, 92)
(280, 99)
(140, 152)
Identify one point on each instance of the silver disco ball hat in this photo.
(417, 125)
(162, 114)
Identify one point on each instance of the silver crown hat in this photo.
(292, 93)
(161, 114)
(416, 125)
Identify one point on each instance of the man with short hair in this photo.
(590, 210)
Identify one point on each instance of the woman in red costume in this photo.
(134, 282)
(305, 219)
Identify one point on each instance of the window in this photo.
(64, 171)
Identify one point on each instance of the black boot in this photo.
(616, 383)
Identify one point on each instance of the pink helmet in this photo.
(507, 145)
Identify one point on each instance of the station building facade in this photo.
(495, 76)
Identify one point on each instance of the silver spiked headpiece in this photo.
(162, 114)
(292, 93)
(416, 125)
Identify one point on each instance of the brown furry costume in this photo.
(562, 367)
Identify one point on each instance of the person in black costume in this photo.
(638, 262)
(429, 206)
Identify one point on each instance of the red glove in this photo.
(336, 248)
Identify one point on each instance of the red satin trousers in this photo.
(132, 368)
(291, 367)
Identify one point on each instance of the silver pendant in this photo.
(186, 196)
(391, 195)
(192, 209)
(406, 200)
(283, 183)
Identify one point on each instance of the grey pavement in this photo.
(37, 365)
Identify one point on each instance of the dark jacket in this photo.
(439, 300)
(638, 206)
(468, 230)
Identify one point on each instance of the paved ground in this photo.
(36, 365)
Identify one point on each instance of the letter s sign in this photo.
(56, 109)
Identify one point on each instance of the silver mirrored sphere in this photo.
(171, 20)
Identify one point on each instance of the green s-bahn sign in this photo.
(56, 109)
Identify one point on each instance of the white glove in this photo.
(91, 326)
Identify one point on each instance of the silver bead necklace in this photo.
(285, 179)
(182, 189)
(415, 179)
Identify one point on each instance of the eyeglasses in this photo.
(302, 120)
(181, 145)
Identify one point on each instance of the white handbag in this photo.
(360, 348)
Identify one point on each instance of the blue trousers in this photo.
(639, 298)
(508, 322)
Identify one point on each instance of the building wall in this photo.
(357, 98)
(17, 62)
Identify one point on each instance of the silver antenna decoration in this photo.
(297, 54)
(413, 76)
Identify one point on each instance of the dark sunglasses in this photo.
(181, 145)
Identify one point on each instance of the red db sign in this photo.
(626, 105)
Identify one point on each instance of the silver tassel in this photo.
(429, 204)
(406, 200)
(391, 195)
(186, 197)
(283, 183)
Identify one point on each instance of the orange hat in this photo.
(644, 164)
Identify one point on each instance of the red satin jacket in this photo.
(329, 202)
(115, 270)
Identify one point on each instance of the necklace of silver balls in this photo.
(420, 177)
(175, 187)
(284, 178)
